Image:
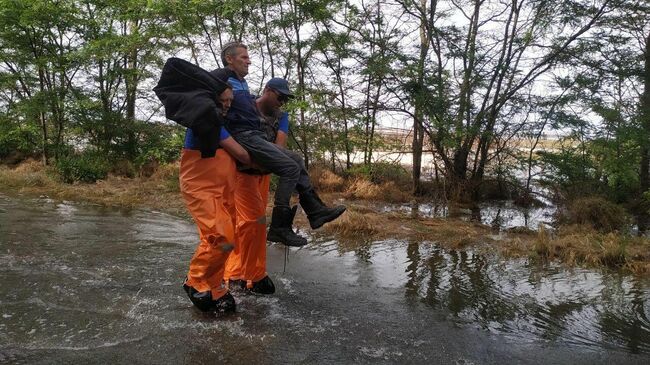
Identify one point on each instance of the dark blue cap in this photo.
(280, 85)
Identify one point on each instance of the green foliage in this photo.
(86, 167)
(79, 73)
(569, 170)
(598, 167)
(159, 142)
(16, 139)
(274, 182)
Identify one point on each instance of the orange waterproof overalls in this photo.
(248, 261)
(207, 185)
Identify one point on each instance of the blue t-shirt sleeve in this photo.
(283, 123)
(224, 134)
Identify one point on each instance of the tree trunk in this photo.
(43, 120)
(131, 90)
(346, 132)
(300, 63)
(644, 177)
(418, 129)
(459, 186)
(418, 141)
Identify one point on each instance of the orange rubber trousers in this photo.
(207, 186)
(248, 261)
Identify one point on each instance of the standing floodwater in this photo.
(84, 284)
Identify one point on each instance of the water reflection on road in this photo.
(498, 214)
(92, 285)
(579, 307)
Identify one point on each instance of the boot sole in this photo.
(273, 238)
(321, 221)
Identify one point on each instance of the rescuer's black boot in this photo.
(203, 300)
(281, 231)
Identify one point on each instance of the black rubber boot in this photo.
(317, 212)
(225, 304)
(263, 286)
(203, 300)
(281, 231)
(236, 285)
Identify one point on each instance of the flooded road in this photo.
(83, 284)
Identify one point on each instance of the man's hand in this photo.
(236, 150)
(252, 169)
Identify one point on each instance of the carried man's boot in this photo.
(317, 212)
(281, 227)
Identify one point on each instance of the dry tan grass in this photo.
(597, 212)
(581, 244)
(355, 224)
(30, 174)
(387, 192)
(362, 189)
(364, 223)
(167, 171)
(158, 192)
(325, 180)
(454, 233)
(29, 166)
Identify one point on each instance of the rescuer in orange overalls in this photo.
(246, 266)
(199, 101)
(208, 186)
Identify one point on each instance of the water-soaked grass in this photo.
(364, 221)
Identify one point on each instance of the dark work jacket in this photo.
(189, 94)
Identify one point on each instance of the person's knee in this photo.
(296, 157)
(294, 170)
(291, 170)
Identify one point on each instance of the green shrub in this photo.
(87, 167)
(597, 167)
(16, 141)
(274, 182)
(159, 142)
(169, 175)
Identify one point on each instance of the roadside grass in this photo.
(360, 188)
(596, 212)
(159, 192)
(325, 180)
(583, 245)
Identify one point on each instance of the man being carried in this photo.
(244, 124)
(246, 265)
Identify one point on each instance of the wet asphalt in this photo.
(86, 284)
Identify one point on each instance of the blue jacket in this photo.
(242, 115)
